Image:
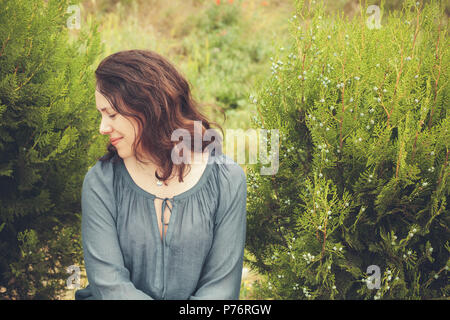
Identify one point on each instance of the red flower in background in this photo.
(218, 1)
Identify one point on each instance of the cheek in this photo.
(131, 129)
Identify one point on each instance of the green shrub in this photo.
(46, 101)
(363, 174)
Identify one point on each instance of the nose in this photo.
(105, 127)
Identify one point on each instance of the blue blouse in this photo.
(201, 255)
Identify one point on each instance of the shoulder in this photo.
(229, 173)
(100, 174)
(98, 188)
(232, 186)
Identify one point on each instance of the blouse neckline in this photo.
(206, 172)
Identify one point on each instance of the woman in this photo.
(149, 229)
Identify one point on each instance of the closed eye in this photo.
(113, 116)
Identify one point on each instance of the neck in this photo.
(149, 168)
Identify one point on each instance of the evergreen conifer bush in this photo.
(47, 106)
(363, 177)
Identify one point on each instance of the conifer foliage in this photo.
(362, 113)
(46, 101)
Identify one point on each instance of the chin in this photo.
(123, 154)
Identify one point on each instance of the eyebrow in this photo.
(102, 109)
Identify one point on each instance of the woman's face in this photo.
(115, 126)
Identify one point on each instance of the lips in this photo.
(115, 140)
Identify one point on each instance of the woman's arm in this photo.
(222, 270)
(108, 277)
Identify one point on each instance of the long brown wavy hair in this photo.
(144, 85)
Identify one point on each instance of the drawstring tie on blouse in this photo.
(163, 207)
